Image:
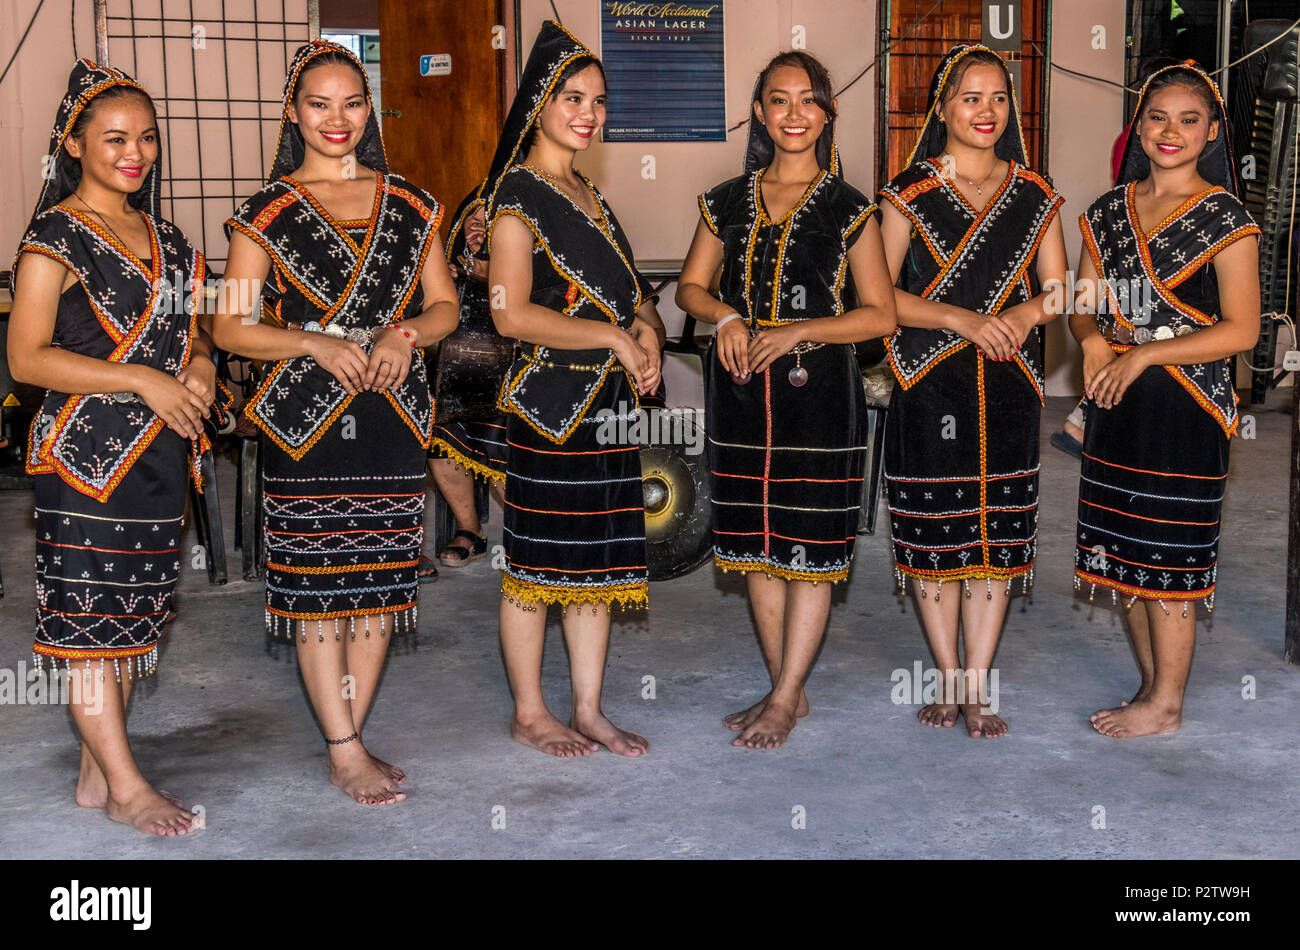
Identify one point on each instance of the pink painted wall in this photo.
(29, 98)
(206, 56)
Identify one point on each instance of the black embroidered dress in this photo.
(574, 512)
(786, 461)
(110, 477)
(1155, 465)
(344, 474)
(477, 445)
(961, 442)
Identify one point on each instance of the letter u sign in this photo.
(1001, 25)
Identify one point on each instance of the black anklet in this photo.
(343, 740)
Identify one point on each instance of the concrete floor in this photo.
(225, 724)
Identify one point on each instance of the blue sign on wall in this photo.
(665, 71)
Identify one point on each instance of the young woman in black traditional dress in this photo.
(1170, 267)
(359, 281)
(472, 448)
(976, 249)
(564, 284)
(787, 415)
(104, 317)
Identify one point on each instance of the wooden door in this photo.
(441, 131)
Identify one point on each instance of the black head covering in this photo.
(289, 148)
(458, 252)
(760, 149)
(934, 134)
(63, 172)
(554, 49)
(1215, 164)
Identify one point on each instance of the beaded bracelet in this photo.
(410, 337)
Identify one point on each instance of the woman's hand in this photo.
(648, 340)
(994, 336)
(772, 343)
(200, 377)
(390, 360)
(182, 410)
(342, 359)
(1113, 380)
(732, 346)
(635, 360)
(1021, 321)
(1096, 355)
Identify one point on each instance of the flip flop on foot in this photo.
(425, 569)
(458, 555)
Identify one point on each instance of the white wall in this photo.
(1085, 117)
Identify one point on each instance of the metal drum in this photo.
(675, 485)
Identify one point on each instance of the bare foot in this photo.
(938, 715)
(149, 812)
(769, 730)
(599, 729)
(392, 771)
(547, 734)
(1142, 717)
(740, 721)
(982, 725)
(1144, 692)
(356, 774)
(92, 787)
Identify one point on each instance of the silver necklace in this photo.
(979, 189)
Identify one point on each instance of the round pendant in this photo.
(741, 380)
(798, 376)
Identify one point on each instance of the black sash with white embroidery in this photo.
(1141, 272)
(977, 260)
(553, 389)
(339, 283)
(148, 313)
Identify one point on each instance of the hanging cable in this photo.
(1048, 60)
(867, 68)
(21, 41)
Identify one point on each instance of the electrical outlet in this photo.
(1291, 362)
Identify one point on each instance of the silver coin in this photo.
(798, 376)
(1142, 335)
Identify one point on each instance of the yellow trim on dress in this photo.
(516, 590)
